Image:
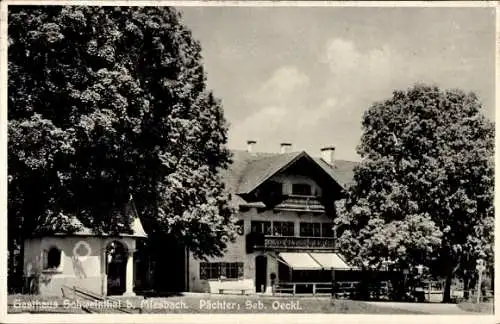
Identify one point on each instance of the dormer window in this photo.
(301, 189)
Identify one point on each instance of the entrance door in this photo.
(116, 258)
(284, 272)
(260, 273)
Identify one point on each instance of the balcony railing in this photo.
(301, 204)
(256, 241)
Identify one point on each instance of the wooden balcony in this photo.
(259, 242)
(301, 204)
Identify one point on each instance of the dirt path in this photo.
(450, 309)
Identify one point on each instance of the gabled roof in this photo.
(71, 225)
(249, 170)
(136, 227)
(262, 169)
(343, 171)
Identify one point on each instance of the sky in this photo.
(306, 75)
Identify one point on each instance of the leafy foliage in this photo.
(105, 102)
(423, 193)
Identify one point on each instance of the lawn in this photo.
(483, 308)
(199, 304)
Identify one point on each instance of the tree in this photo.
(423, 193)
(108, 102)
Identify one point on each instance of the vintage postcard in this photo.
(260, 161)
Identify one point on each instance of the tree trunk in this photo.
(492, 278)
(19, 266)
(466, 288)
(11, 268)
(447, 289)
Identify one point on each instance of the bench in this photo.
(239, 286)
(242, 290)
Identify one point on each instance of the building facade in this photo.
(98, 264)
(286, 208)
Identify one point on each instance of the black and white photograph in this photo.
(258, 158)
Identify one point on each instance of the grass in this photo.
(192, 304)
(482, 308)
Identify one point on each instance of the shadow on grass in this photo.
(482, 308)
(159, 294)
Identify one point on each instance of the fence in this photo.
(431, 292)
(298, 288)
(343, 289)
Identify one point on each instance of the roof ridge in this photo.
(263, 154)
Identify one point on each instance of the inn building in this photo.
(286, 207)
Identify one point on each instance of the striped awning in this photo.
(314, 261)
(300, 261)
(330, 261)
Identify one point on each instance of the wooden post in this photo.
(480, 268)
(333, 264)
(333, 283)
(314, 289)
(480, 275)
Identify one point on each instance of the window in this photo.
(209, 270)
(216, 270)
(261, 227)
(316, 229)
(52, 259)
(327, 229)
(283, 229)
(233, 270)
(310, 229)
(301, 189)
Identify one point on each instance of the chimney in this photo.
(285, 147)
(328, 155)
(250, 145)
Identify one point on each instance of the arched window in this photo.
(53, 258)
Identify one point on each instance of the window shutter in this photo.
(303, 229)
(267, 228)
(222, 270)
(240, 270)
(316, 229)
(203, 270)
